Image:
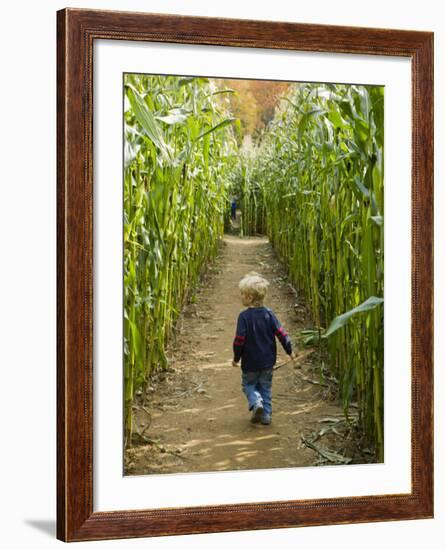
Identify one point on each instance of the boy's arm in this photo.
(239, 340)
(282, 335)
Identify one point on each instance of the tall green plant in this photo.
(178, 150)
(320, 171)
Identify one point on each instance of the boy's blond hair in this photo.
(254, 286)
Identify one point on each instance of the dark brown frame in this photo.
(76, 32)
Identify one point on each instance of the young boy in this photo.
(255, 345)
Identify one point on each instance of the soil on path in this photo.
(194, 417)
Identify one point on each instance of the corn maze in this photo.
(312, 182)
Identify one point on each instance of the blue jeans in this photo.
(257, 385)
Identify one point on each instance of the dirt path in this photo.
(195, 416)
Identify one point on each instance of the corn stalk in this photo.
(320, 171)
(179, 148)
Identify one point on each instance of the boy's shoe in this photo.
(257, 412)
(266, 419)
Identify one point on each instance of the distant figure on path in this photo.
(255, 345)
(233, 209)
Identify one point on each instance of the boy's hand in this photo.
(234, 363)
(293, 356)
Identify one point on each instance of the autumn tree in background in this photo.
(253, 102)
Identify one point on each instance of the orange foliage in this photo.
(254, 102)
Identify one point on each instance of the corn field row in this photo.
(316, 183)
(313, 184)
(179, 148)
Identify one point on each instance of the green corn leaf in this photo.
(341, 320)
(217, 127)
(175, 116)
(186, 80)
(377, 219)
(218, 92)
(137, 340)
(147, 121)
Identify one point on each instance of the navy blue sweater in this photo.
(254, 341)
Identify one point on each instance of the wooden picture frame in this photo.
(76, 32)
